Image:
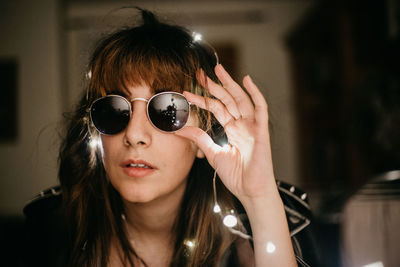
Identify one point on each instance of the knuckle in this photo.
(216, 106)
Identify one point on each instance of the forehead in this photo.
(134, 91)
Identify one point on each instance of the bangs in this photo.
(126, 60)
(159, 71)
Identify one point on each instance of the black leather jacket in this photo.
(47, 242)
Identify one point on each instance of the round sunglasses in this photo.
(167, 111)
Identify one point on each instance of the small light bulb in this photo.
(197, 37)
(217, 208)
(189, 243)
(89, 75)
(230, 221)
(226, 147)
(270, 247)
(94, 142)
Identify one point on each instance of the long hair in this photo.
(163, 57)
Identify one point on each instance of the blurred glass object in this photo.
(374, 264)
(370, 223)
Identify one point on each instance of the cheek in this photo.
(177, 155)
(179, 149)
(182, 160)
(109, 147)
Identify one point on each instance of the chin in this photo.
(136, 196)
(137, 199)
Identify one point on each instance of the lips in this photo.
(137, 168)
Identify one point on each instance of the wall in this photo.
(30, 31)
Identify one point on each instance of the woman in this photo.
(135, 166)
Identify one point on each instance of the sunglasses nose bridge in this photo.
(138, 99)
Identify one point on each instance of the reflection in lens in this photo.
(169, 111)
(110, 115)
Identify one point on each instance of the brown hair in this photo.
(163, 57)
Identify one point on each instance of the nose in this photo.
(138, 131)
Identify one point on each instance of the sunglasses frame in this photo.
(131, 109)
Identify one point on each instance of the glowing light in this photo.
(230, 221)
(217, 208)
(189, 243)
(89, 75)
(197, 37)
(94, 142)
(270, 247)
(225, 147)
(374, 264)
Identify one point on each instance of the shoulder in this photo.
(299, 217)
(46, 238)
(45, 201)
(43, 214)
(296, 205)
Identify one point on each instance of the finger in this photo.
(241, 99)
(220, 93)
(260, 104)
(202, 140)
(213, 105)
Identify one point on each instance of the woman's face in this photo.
(143, 163)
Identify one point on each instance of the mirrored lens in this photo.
(168, 111)
(111, 114)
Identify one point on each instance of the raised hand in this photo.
(245, 165)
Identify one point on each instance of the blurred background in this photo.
(328, 69)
